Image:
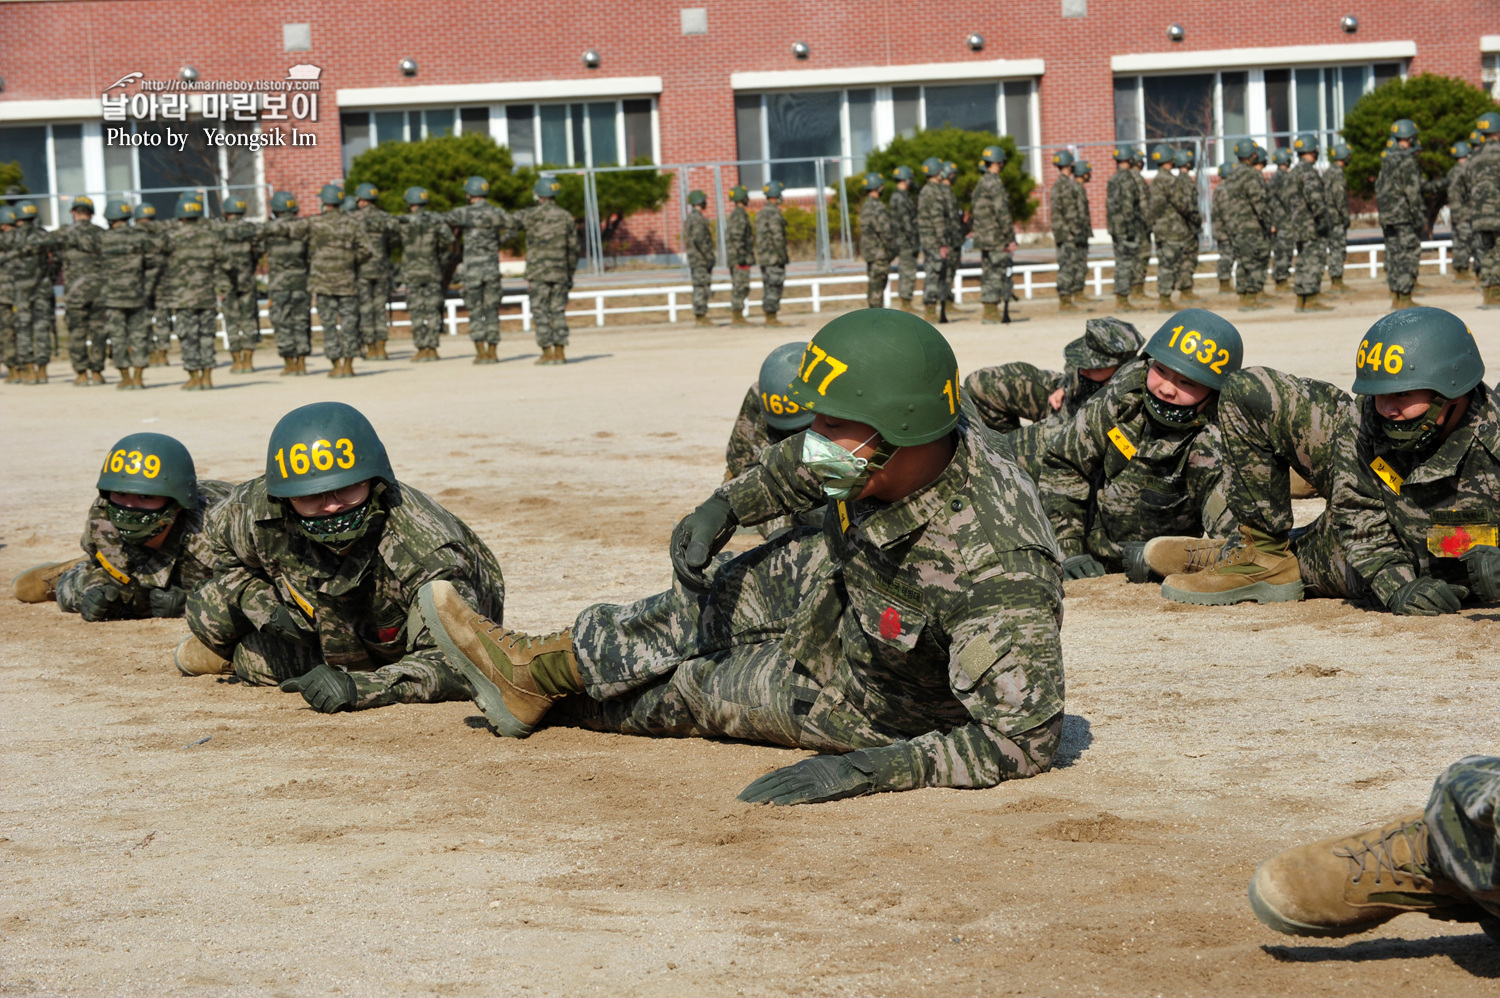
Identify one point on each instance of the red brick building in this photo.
(713, 82)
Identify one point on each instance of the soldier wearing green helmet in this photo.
(934, 226)
(551, 260)
(994, 234)
(1410, 467)
(317, 565)
(129, 266)
(426, 243)
(957, 233)
(1223, 241)
(1484, 192)
(698, 246)
(878, 242)
(1143, 459)
(76, 247)
(286, 280)
(1398, 196)
(1071, 228)
(1186, 160)
(739, 249)
(239, 295)
(1249, 219)
(1308, 223)
(383, 232)
(768, 416)
(1461, 212)
(770, 251)
(904, 223)
(1143, 255)
(1125, 219)
(143, 216)
(7, 298)
(913, 641)
(143, 540)
(1282, 244)
(482, 226)
(1175, 224)
(1336, 193)
(196, 266)
(31, 287)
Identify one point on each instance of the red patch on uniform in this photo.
(1457, 542)
(387, 634)
(890, 624)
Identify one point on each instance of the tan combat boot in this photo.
(194, 658)
(1282, 285)
(1402, 301)
(191, 385)
(1353, 883)
(1164, 303)
(991, 316)
(38, 584)
(81, 379)
(1337, 286)
(545, 358)
(930, 313)
(479, 353)
(206, 379)
(1188, 294)
(702, 320)
(1226, 287)
(515, 676)
(1138, 292)
(1491, 296)
(137, 377)
(1301, 488)
(28, 374)
(288, 366)
(1258, 567)
(41, 374)
(773, 321)
(1462, 276)
(1065, 302)
(906, 305)
(12, 374)
(96, 377)
(1311, 303)
(377, 351)
(558, 357)
(737, 318)
(1122, 303)
(1251, 302)
(1168, 556)
(126, 383)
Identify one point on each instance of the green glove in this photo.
(814, 781)
(1082, 566)
(1427, 597)
(99, 603)
(325, 688)
(167, 602)
(1483, 563)
(1136, 569)
(289, 626)
(698, 537)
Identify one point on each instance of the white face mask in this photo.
(843, 475)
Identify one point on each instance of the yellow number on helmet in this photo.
(117, 461)
(153, 465)
(322, 457)
(346, 458)
(1394, 359)
(298, 457)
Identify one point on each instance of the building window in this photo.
(1492, 74)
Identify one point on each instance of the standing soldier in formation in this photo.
(128, 268)
(383, 232)
(877, 240)
(286, 280)
(1124, 217)
(1307, 224)
(1460, 205)
(8, 298)
(551, 259)
(904, 223)
(994, 233)
(739, 247)
(31, 286)
(1143, 255)
(78, 247)
(1222, 238)
(932, 231)
(485, 226)
(1186, 159)
(1174, 219)
(1484, 189)
(770, 251)
(143, 216)
(197, 265)
(1281, 245)
(956, 234)
(1398, 195)
(698, 244)
(240, 302)
(1336, 192)
(426, 241)
(1070, 228)
(1247, 210)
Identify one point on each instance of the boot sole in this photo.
(487, 695)
(1260, 592)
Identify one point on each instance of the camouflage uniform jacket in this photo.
(30, 266)
(78, 246)
(360, 603)
(1307, 209)
(7, 296)
(1484, 187)
(485, 227)
(751, 435)
(932, 218)
(739, 238)
(1124, 211)
(1398, 190)
(241, 254)
(904, 220)
(877, 239)
(158, 229)
(1249, 204)
(935, 615)
(1174, 207)
(955, 220)
(336, 247)
(383, 231)
(993, 226)
(1384, 532)
(1458, 191)
(426, 240)
(1276, 196)
(196, 265)
(698, 240)
(1336, 194)
(286, 256)
(128, 266)
(1145, 189)
(770, 236)
(1097, 497)
(1222, 216)
(551, 243)
(182, 562)
(1070, 212)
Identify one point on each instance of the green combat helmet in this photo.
(324, 447)
(1139, 159)
(932, 167)
(1340, 153)
(1283, 157)
(1460, 150)
(950, 169)
(148, 464)
(1082, 170)
(1244, 149)
(83, 203)
(234, 205)
(1162, 155)
(189, 209)
(1062, 158)
(547, 187)
(874, 182)
(1488, 125)
(1197, 344)
(145, 210)
(7, 215)
(282, 202)
(1306, 142)
(904, 173)
(418, 195)
(366, 192)
(331, 194)
(773, 189)
(1225, 169)
(1124, 152)
(695, 198)
(776, 373)
(476, 187)
(884, 367)
(1413, 349)
(740, 194)
(992, 154)
(1403, 128)
(1185, 159)
(350, 203)
(116, 210)
(25, 210)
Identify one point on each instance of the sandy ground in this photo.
(410, 851)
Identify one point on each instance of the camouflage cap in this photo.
(1124, 152)
(283, 201)
(116, 210)
(696, 198)
(773, 189)
(1306, 142)
(903, 173)
(547, 187)
(740, 193)
(417, 195)
(83, 203)
(993, 154)
(1107, 342)
(1062, 158)
(366, 192)
(874, 182)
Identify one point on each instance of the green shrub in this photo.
(963, 149)
(1444, 109)
(441, 165)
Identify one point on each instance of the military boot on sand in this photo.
(546, 357)
(702, 320)
(1350, 884)
(1400, 301)
(1311, 303)
(191, 385)
(1188, 294)
(1065, 302)
(515, 676)
(1122, 303)
(38, 584)
(772, 321)
(1337, 286)
(737, 318)
(906, 305)
(991, 316)
(1182, 555)
(1252, 302)
(194, 658)
(1282, 286)
(1491, 297)
(289, 366)
(81, 379)
(930, 313)
(96, 377)
(1256, 567)
(206, 379)
(1164, 303)
(1226, 287)
(557, 355)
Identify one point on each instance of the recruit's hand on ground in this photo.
(1136, 569)
(1082, 566)
(812, 781)
(1483, 563)
(288, 626)
(168, 602)
(698, 537)
(325, 689)
(1427, 597)
(99, 602)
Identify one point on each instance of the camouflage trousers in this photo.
(161, 329)
(1008, 393)
(129, 333)
(739, 288)
(878, 275)
(935, 278)
(1187, 271)
(87, 346)
(1142, 262)
(1251, 252)
(702, 278)
(1282, 247)
(1338, 248)
(1489, 256)
(374, 321)
(906, 274)
(424, 306)
(1171, 257)
(291, 319)
(195, 328)
(34, 318)
(1072, 265)
(241, 310)
(1225, 268)
(8, 334)
(1125, 265)
(994, 277)
(339, 317)
(772, 278)
(1464, 256)
(1403, 255)
(1312, 257)
(1462, 830)
(482, 299)
(549, 300)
